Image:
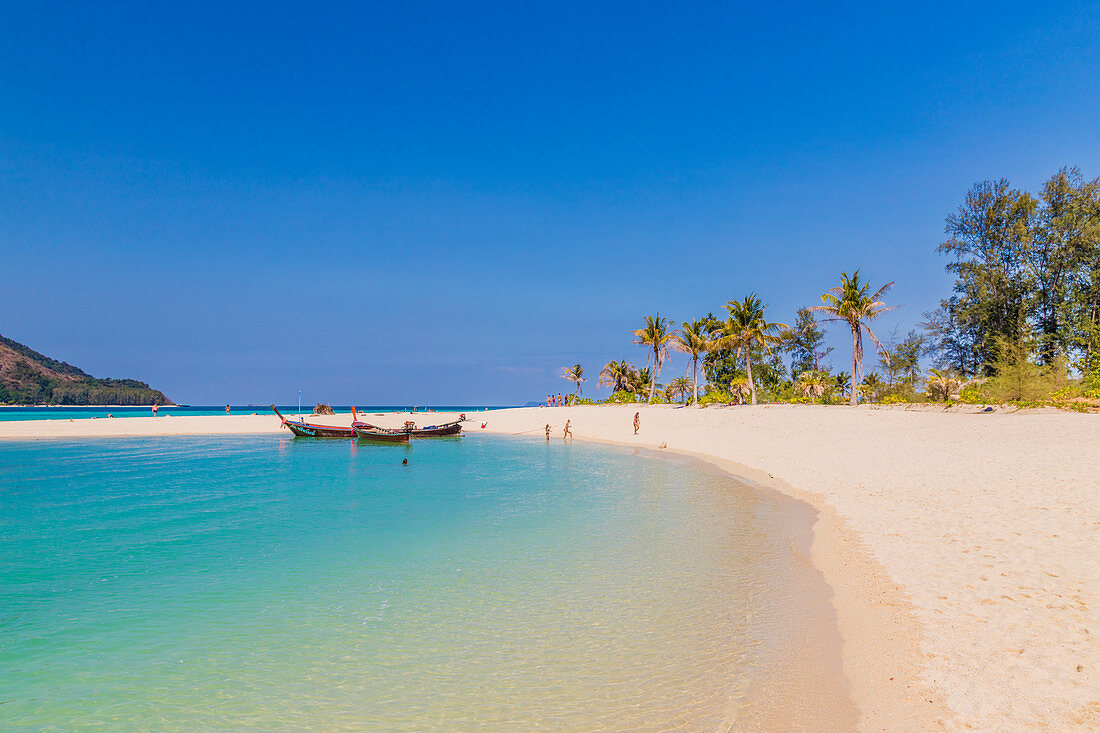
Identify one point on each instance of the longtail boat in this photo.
(379, 435)
(311, 430)
(431, 431)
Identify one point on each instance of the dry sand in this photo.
(963, 550)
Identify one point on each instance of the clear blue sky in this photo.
(449, 202)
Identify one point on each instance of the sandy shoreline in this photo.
(961, 548)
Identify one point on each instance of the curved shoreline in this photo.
(960, 547)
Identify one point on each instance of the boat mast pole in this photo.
(299, 404)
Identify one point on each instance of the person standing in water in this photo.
(568, 433)
(637, 421)
(547, 432)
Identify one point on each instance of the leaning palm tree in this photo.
(813, 384)
(574, 374)
(852, 303)
(692, 340)
(615, 374)
(746, 329)
(655, 335)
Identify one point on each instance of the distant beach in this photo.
(960, 547)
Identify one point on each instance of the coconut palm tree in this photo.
(842, 382)
(678, 388)
(615, 374)
(746, 329)
(641, 381)
(692, 340)
(872, 385)
(943, 384)
(655, 335)
(813, 384)
(739, 387)
(574, 374)
(852, 303)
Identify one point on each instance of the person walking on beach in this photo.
(227, 409)
(568, 433)
(154, 410)
(637, 421)
(561, 403)
(547, 432)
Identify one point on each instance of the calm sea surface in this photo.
(277, 583)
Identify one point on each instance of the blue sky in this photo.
(419, 202)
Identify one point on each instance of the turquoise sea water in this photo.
(276, 583)
(79, 412)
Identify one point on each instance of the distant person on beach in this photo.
(547, 400)
(561, 403)
(547, 432)
(227, 409)
(154, 410)
(637, 421)
(567, 433)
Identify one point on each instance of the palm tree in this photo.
(693, 341)
(942, 384)
(641, 380)
(574, 374)
(615, 375)
(656, 334)
(812, 383)
(842, 383)
(739, 387)
(678, 388)
(871, 386)
(747, 329)
(851, 303)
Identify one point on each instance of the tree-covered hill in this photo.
(29, 378)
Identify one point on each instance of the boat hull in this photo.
(432, 431)
(303, 429)
(377, 435)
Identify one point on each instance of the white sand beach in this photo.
(962, 549)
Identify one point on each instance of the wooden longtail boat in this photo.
(310, 430)
(379, 435)
(431, 431)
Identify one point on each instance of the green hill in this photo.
(29, 378)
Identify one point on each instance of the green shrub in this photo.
(622, 397)
(715, 397)
(893, 399)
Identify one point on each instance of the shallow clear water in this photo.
(274, 583)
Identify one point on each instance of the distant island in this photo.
(29, 378)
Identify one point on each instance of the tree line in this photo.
(27, 386)
(1022, 323)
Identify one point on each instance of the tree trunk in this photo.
(748, 368)
(695, 378)
(653, 381)
(854, 400)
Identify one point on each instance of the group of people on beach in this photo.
(559, 401)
